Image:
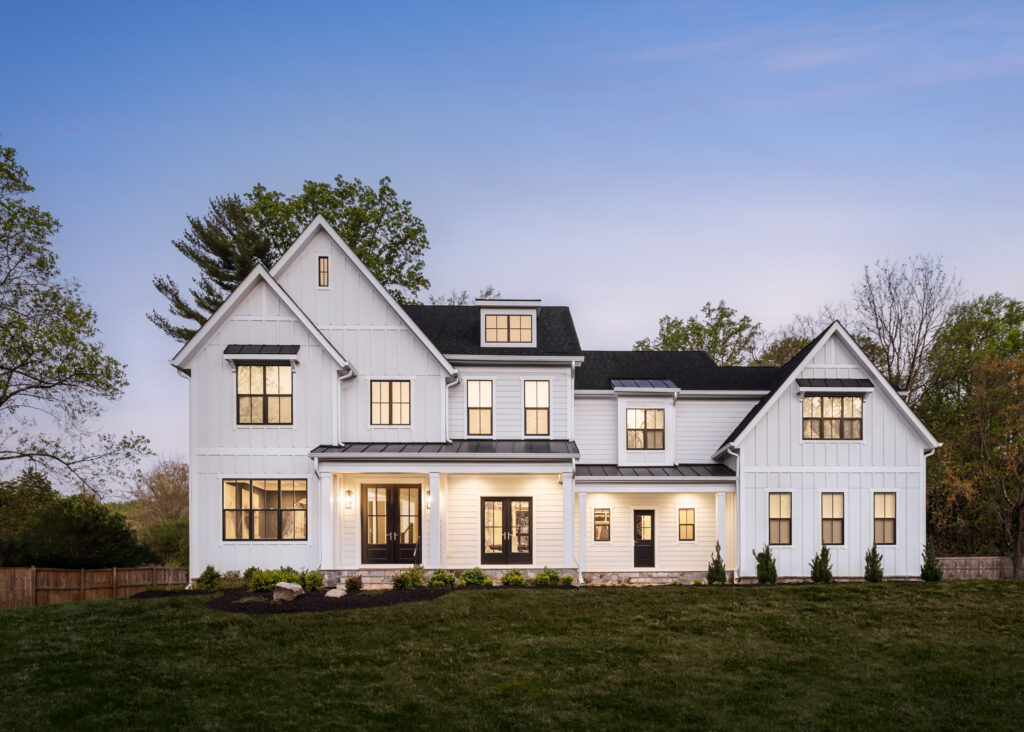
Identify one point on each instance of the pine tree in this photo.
(716, 568)
(767, 574)
(873, 565)
(821, 566)
(930, 570)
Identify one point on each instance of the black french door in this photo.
(506, 531)
(391, 524)
(643, 538)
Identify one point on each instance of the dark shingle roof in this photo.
(265, 350)
(686, 369)
(461, 448)
(683, 470)
(455, 329)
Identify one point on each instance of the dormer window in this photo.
(508, 328)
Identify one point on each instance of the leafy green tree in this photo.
(21, 502)
(729, 340)
(238, 231)
(54, 375)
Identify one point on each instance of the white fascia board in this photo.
(405, 467)
(826, 390)
(321, 223)
(259, 273)
(607, 486)
(595, 394)
(722, 394)
(445, 457)
(502, 360)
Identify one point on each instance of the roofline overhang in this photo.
(492, 359)
(655, 478)
(684, 393)
(444, 457)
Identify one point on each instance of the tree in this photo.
(901, 307)
(987, 452)
(161, 493)
(238, 231)
(54, 374)
(729, 340)
(21, 502)
(456, 297)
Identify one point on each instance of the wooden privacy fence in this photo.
(976, 567)
(28, 586)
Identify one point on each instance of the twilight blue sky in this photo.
(626, 159)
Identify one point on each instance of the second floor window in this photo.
(537, 401)
(323, 274)
(508, 328)
(264, 394)
(478, 407)
(645, 429)
(389, 402)
(833, 417)
(780, 518)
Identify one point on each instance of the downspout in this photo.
(450, 381)
(187, 375)
(732, 450)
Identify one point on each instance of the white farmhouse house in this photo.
(332, 428)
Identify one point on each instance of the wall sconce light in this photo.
(348, 499)
(429, 498)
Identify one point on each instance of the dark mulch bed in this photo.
(315, 602)
(157, 594)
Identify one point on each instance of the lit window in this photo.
(780, 518)
(645, 429)
(323, 273)
(264, 394)
(508, 328)
(389, 402)
(537, 401)
(264, 510)
(833, 418)
(885, 518)
(686, 524)
(831, 518)
(478, 407)
(602, 524)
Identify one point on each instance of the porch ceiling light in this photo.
(348, 499)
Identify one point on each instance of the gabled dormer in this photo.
(505, 323)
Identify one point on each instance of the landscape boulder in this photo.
(336, 592)
(286, 591)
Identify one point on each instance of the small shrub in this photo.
(353, 584)
(767, 574)
(408, 579)
(698, 582)
(546, 577)
(873, 565)
(209, 579)
(513, 577)
(821, 566)
(231, 580)
(565, 580)
(247, 575)
(475, 577)
(930, 570)
(263, 580)
(716, 567)
(312, 580)
(442, 578)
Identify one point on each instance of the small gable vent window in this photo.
(508, 328)
(323, 272)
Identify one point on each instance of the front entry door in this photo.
(643, 538)
(506, 530)
(391, 524)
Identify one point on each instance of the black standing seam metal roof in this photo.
(566, 448)
(830, 383)
(783, 373)
(686, 369)
(455, 329)
(682, 470)
(643, 384)
(260, 350)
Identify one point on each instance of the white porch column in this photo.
(584, 534)
(327, 523)
(433, 558)
(720, 515)
(568, 503)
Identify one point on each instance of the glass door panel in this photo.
(494, 529)
(520, 514)
(506, 528)
(391, 524)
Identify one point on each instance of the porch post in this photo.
(327, 522)
(720, 515)
(433, 558)
(568, 503)
(584, 534)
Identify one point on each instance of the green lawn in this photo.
(947, 656)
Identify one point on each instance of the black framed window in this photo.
(260, 509)
(264, 393)
(537, 405)
(885, 518)
(602, 524)
(832, 518)
(478, 407)
(780, 518)
(508, 328)
(389, 403)
(833, 417)
(323, 273)
(686, 524)
(645, 429)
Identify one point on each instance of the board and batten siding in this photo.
(507, 411)
(703, 424)
(890, 458)
(596, 425)
(462, 539)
